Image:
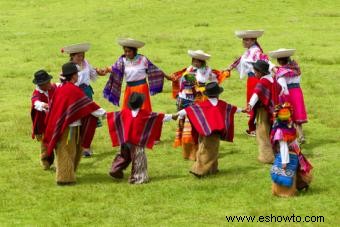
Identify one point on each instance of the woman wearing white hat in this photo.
(188, 86)
(243, 65)
(290, 71)
(86, 74)
(136, 69)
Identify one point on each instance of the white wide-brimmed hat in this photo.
(128, 42)
(76, 48)
(249, 33)
(281, 53)
(199, 54)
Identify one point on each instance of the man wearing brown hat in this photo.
(262, 101)
(40, 105)
(212, 121)
(71, 123)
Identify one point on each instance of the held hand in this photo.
(45, 106)
(247, 109)
(167, 77)
(101, 72)
(175, 117)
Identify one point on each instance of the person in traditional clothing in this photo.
(245, 68)
(212, 120)
(137, 69)
(86, 74)
(289, 71)
(291, 171)
(134, 129)
(262, 101)
(188, 86)
(71, 124)
(40, 100)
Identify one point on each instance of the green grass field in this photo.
(32, 34)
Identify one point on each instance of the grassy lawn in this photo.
(32, 34)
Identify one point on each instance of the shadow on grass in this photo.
(99, 178)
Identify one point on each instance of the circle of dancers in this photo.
(65, 117)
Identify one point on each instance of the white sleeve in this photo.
(213, 77)
(99, 113)
(38, 105)
(283, 84)
(253, 100)
(271, 66)
(93, 74)
(239, 110)
(284, 152)
(167, 117)
(182, 114)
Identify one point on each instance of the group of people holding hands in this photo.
(65, 117)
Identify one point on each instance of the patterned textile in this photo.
(291, 69)
(141, 130)
(207, 119)
(281, 176)
(113, 86)
(68, 105)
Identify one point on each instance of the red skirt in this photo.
(251, 84)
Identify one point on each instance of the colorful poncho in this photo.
(38, 117)
(141, 130)
(267, 92)
(207, 119)
(68, 105)
(113, 86)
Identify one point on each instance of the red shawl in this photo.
(38, 117)
(69, 104)
(141, 130)
(207, 119)
(268, 93)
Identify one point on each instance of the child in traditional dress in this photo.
(291, 171)
(71, 123)
(134, 129)
(41, 96)
(262, 102)
(212, 121)
(290, 72)
(188, 86)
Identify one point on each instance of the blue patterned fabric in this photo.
(281, 176)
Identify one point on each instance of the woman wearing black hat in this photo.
(212, 121)
(262, 101)
(40, 105)
(71, 124)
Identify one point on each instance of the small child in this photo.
(40, 105)
(133, 129)
(291, 171)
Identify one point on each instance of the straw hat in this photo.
(199, 54)
(76, 48)
(281, 53)
(249, 33)
(128, 42)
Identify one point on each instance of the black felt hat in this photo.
(41, 77)
(136, 100)
(69, 68)
(212, 89)
(261, 66)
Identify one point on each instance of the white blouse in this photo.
(86, 74)
(135, 69)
